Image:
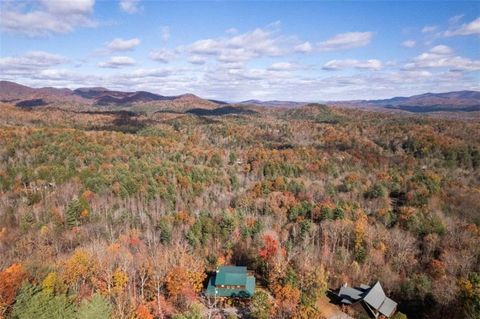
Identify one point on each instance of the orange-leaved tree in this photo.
(10, 281)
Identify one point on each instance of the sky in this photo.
(240, 50)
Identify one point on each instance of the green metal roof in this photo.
(249, 290)
(231, 276)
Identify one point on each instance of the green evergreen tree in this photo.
(74, 210)
(96, 308)
(35, 304)
(26, 293)
(260, 306)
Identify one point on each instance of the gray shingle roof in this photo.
(349, 295)
(388, 307)
(375, 296)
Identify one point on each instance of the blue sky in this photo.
(238, 50)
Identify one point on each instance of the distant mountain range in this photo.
(458, 101)
(24, 96)
(274, 103)
(99, 97)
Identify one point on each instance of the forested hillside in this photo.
(123, 215)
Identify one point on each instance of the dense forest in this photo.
(124, 215)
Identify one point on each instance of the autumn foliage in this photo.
(122, 215)
(10, 282)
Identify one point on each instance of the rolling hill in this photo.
(98, 97)
(458, 101)
(142, 101)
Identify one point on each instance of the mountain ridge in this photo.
(100, 97)
(95, 97)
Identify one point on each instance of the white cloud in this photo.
(242, 47)
(220, 81)
(231, 31)
(347, 40)
(46, 17)
(408, 43)
(429, 28)
(54, 74)
(304, 47)
(391, 63)
(165, 33)
(205, 47)
(69, 7)
(34, 58)
(246, 83)
(129, 6)
(162, 55)
(442, 56)
(117, 62)
(455, 19)
(62, 78)
(155, 73)
(231, 66)
(284, 66)
(441, 49)
(439, 68)
(236, 55)
(197, 60)
(259, 41)
(30, 63)
(119, 44)
(255, 74)
(472, 28)
(335, 65)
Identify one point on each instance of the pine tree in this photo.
(74, 211)
(260, 306)
(33, 303)
(96, 308)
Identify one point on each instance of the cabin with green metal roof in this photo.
(231, 281)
